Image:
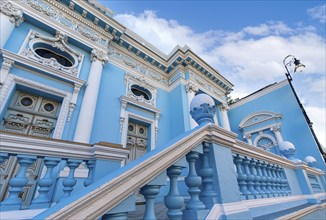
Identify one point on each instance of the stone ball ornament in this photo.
(287, 149)
(311, 161)
(202, 109)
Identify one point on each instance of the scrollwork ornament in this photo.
(224, 107)
(15, 14)
(191, 87)
(99, 55)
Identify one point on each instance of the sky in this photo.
(246, 41)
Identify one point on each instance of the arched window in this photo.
(141, 91)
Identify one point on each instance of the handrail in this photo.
(105, 194)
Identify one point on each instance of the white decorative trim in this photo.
(29, 64)
(258, 117)
(15, 14)
(140, 68)
(12, 80)
(131, 80)
(5, 68)
(60, 42)
(259, 94)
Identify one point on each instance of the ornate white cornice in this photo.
(259, 117)
(15, 13)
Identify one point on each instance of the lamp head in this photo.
(298, 66)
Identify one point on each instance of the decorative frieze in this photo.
(15, 14)
(86, 29)
(130, 62)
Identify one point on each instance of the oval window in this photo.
(141, 91)
(48, 54)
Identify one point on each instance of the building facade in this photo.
(94, 119)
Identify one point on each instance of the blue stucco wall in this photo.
(294, 127)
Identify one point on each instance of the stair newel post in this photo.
(90, 178)
(16, 184)
(46, 182)
(193, 181)
(70, 181)
(207, 195)
(150, 192)
(173, 201)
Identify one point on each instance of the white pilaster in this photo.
(225, 119)
(5, 68)
(9, 17)
(277, 131)
(87, 111)
(191, 90)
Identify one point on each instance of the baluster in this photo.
(269, 181)
(241, 176)
(277, 186)
(208, 195)
(45, 183)
(265, 179)
(279, 179)
(70, 181)
(256, 180)
(285, 183)
(250, 177)
(261, 184)
(273, 180)
(90, 178)
(16, 184)
(150, 192)
(116, 216)
(173, 201)
(193, 181)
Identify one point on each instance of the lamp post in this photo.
(298, 67)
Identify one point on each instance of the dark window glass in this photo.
(26, 101)
(140, 91)
(48, 54)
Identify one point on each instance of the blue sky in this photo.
(246, 41)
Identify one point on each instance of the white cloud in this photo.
(318, 12)
(250, 58)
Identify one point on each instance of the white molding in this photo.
(18, 59)
(259, 117)
(259, 94)
(49, 147)
(263, 135)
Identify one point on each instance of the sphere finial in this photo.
(202, 109)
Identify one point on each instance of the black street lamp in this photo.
(298, 67)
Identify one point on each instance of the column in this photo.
(277, 131)
(248, 138)
(87, 111)
(9, 17)
(225, 118)
(191, 90)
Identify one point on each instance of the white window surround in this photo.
(58, 42)
(10, 85)
(152, 128)
(259, 117)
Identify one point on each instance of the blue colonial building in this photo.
(96, 123)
